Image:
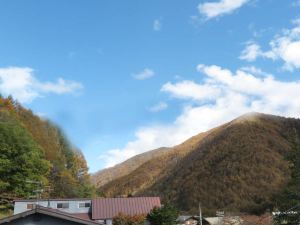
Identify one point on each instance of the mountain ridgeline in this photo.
(245, 165)
(33, 150)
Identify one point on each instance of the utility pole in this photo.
(200, 214)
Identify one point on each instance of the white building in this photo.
(101, 210)
(77, 206)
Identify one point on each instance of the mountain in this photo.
(33, 149)
(104, 176)
(240, 166)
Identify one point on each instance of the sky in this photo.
(125, 77)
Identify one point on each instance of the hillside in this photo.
(156, 164)
(35, 149)
(240, 166)
(104, 176)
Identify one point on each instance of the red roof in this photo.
(108, 208)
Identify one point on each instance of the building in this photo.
(65, 205)
(265, 219)
(105, 209)
(99, 210)
(40, 215)
(191, 220)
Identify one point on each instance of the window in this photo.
(30, 206)
(62, 205)
(84, 205)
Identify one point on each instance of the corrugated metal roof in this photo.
(108, 208)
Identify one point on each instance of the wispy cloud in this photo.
(158, 107)
(296, 3)
(252, 51)
(157, 25)
(22, 84)
(284, 46)
(143, 75)
(220, 97)
(215, 9)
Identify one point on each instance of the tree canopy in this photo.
(33, 148)
(123, 219)
(165, 215)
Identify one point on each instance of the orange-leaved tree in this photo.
(122, 219)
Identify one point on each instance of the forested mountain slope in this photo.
(241, 166)
(35, 149)
(161, 163)
(106, 175)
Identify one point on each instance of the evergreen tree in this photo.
(165, 215)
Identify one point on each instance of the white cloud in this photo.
(21, 83)
(253, 51)
(158, 107)
(284, 46)
(215, 9)
(254, 70)
(190, 90)
(145, 74)
(220, 97)
(157, 25)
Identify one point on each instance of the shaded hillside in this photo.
(240, 166)
(35, 149)
(104, 176)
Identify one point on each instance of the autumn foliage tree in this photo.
(122, 219)
(288, 202)
(33, 148)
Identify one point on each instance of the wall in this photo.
(21, 206)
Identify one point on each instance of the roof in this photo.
(53, 199)
(85, 216)
(265, 219)
(108, 208)
(184, 218)
(53, 213)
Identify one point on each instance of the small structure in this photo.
(241, 220)
(191, 220)
(46, 216)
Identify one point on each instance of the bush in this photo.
(123, 219)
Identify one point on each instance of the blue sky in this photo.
(124, 77)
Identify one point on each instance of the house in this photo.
(40, 215)
(99, 210)
(265, 219)
(105, 209)
(191, 220)
(76, 205)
